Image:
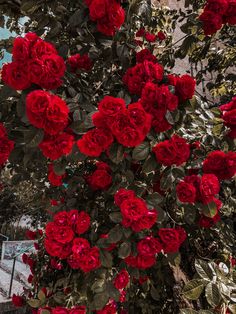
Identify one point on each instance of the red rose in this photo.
(217, 6)
(54, 147)
(6, 147)
(78, 310)
(53, 178)
(60, 310)
(149, 246)
(61, 218)
(63, 234)
(83, 222)
(37, 103)
(173, 151)
(123, 195)
(136, 77)
(220, 164)
(17, 300)
(31, 235)
(100, 180)
(122, 279)
(56, 249)
(207, 222)
(97, 9)
(230, 14)
(55, 264)
(185, 87)
(139, 118)
(145, 54)
(78, 62)
(91, 261)
(140, 32)
(47, 111)
(229, 117)
(115, 17)
(150, 37)
(171, 238)
(21, 49)
(15, 75)
(161, 36)
(72, 215)
(109, 106)
(80, 245)
(186, 192)
(212, 22)
(53, 68)
(41, 48)
(146, 222)
(56, 118)
(145, 261)
(108, 309)
(95, 141)
(209, 187)
(133, 209)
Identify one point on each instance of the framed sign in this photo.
(10, 249)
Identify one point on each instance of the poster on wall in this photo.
(10, 249)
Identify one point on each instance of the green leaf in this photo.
(116, 153)
(210, 209)
(124, 250)
(106, 259)
(33, 137)
(213, 295)
(150, 164)
(193, 289)
(100, 300)
(188, 311)
(112, 291)
(41, 296)
(35, 303)
(116, 217)
(232, 308)
(115, 234)
(155, 293)
(154, 199)
(206, 312)
(141, 152)
(203, 269)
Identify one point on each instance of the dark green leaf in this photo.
(213, 295)
(141, 152)
(193, 289)
(203, 269)
(106, 259)
(124, 250)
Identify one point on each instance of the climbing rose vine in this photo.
(137, 190)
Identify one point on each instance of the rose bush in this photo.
(138, 185)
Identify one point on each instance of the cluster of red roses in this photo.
(101, 178)
(216, 13)
(194, 188)
(169, 241)
(201, 189)
(108, 14)
(221, 164)
(34, 61)
(229, 116)
(47, 111)
(150, 37)
(129, 126)
(174, 151)
(134, 210)
(78, 62)
(157, 98)
(50, 113)
(6, 145)
(61, 240)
